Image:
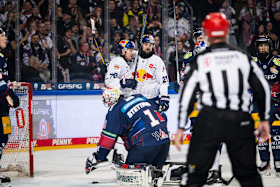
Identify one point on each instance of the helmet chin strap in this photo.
(264, 56)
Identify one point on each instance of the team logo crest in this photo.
(273, 70)
(160, 135)
(44, 129)
(264, 66)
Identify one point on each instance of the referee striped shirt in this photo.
(223, 75)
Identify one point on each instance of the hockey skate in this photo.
(5, 181)
(265, 168)
(277, 168)
(214, 178)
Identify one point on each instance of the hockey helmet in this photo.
(148, 39)
(126, 44)
(111, 96)
(263, 39)
(197, 32)
(216, 25)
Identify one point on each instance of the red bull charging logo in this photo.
(142, 75)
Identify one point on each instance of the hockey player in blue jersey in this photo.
(7, 99)
(200, 45)
(270, 65)
(141, 126)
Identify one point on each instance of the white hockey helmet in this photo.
(111, 96)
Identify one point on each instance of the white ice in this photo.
(65, 168)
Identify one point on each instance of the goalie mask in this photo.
(199, 46)
(111, 96)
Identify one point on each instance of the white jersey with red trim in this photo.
(117, 70)
(152, 77)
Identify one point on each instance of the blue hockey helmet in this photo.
(148, 39)
(111, 96)
(126, 44)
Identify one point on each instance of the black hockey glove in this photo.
(176, 87)
(8, 97)
(129, 83)
(92, 163)
(164, 103)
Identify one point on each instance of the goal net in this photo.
(17, 158)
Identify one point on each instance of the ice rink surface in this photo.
(65, 168)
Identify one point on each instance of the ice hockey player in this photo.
(200, 45)
(270, 65)
(137, 121)
(119, 70)
(7, 99)
(151, 75)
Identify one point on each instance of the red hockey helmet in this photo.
(216, 25)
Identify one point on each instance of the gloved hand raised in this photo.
(164, 103)
(129, 83)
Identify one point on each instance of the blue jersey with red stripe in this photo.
(137, 121)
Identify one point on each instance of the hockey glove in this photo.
(128, 83)
(8, 97)
(164, 103)
(176, 87)
(92, 163)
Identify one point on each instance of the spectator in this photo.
(84, 56)
(48, 28)
(269, 27)
(276, 23)
(26, 12)
(114, 10)
(157, 48)
(66, 50)
(65, 23)
(154, 9)
(114, 46)
(75, 34)
(31, 73)
(132, 31)
(77, 15)
(45, 41)
(32, 29)
(134, 11)
(98, 12)
(275, 42)
(9, 25)
(114, 27)
(183, 26)
(88, 37)
(154, 27)
(43, 6)
(8, 8)
(34, 17)
(34, 49)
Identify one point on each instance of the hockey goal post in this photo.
(17, 158)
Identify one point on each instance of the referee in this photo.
(223, 75)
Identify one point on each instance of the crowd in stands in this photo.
(78, 48)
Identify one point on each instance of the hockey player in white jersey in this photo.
(151, 75)
(119, 70)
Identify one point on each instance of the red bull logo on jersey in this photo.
(142, 75)
(116, 67)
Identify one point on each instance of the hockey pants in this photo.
(212, 127)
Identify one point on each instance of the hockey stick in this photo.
(141, 38)
(176, 44)
(93, 32)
